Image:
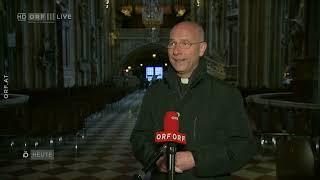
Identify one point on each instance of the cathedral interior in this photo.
(74, 72)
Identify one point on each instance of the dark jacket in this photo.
(211, 114)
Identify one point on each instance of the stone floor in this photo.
(101, 151)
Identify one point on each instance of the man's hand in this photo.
(162, 164)
(184, 161)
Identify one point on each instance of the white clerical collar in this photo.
(185, 80)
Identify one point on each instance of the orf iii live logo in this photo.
(22, 16)
(51, 17)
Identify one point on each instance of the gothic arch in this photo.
(144, 51)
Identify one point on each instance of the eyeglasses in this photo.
(181, 44)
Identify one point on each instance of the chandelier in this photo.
(152, 14)
(126, 8)
(180, 9)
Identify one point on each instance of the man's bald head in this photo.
(191, 25)
(188, 45)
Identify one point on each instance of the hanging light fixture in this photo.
(126, 8)
(152, 18)
(106, 3)
(152, 14)
(179, 8)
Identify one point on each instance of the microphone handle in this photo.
(171, 152)
(151, 165)
(154, 159)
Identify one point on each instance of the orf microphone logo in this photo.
(176, 137)
(22, 16)
(171, 121)
(175, 118)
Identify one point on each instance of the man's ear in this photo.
(203, 47)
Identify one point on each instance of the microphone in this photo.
(170, 131)
(171, 136)
(149, 167)
(171, 121)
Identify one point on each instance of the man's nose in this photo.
(176, 50)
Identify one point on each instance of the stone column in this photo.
(106, 45)
(277, 60)
(316, 95)
(34, 36)
(267, 54)
(199, 11)
(2, 40)
(83, 21)
(192, 8)
(115, 47)
(72, 40)
(83, 13)
(46, 41)
(254, 48)
(210, 29)
(243, 43)
(25, 51)
(317, 89)
(313, 44)
(101, 29)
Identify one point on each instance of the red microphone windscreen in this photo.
(171, 122)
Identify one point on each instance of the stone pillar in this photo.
(83, 21)
(267, 54)
(2, 40)
(115, 47)
(76, 44)
(46, 42)
(260, 57)
(199, 4)
(192, 8)
(272, 61)
(84, 64)
(100, 56)
(253, 45)
(313, 43)
(106, 18)
(316, 96)
(72, 40)
(35, 36)
(243, 43)
(210, 29)
(317, 88)
(26, 52)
